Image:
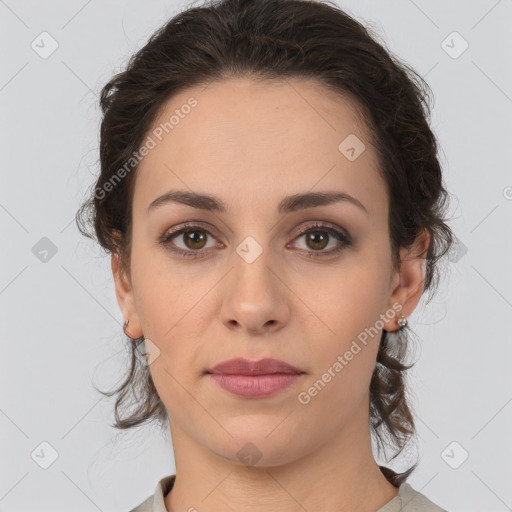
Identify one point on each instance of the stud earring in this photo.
(402, 322)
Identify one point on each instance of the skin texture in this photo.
(250, 144)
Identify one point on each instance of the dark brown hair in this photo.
(279, 39)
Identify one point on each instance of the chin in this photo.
(263, 449)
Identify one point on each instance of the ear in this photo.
(125, 298)
(407, 283)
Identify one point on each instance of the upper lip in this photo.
(240, 366)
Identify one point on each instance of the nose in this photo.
(255, 298)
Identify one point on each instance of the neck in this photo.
(338, 475)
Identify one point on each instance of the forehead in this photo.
(260, 140)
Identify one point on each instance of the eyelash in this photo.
(189, 227)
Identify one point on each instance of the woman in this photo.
(272, 199)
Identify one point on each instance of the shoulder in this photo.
(145, 506)
(413, 501)
(155, 503)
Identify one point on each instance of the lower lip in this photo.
(255, 386)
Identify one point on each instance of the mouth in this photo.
(254, 379)
(267, 366)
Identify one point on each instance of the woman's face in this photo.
(244, 282)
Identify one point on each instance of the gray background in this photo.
(60, 322)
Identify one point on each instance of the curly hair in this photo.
(279, 39)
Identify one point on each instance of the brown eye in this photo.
(317, 240)
(189, 241)
(320, 236)
(194, 239)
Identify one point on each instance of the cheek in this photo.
(349, 309)
(170, 310)
(161, 291)
(353, 300)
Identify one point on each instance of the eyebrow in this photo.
(288, 204)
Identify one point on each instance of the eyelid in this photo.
(322, 224)
(189, 225)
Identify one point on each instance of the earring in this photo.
(402, 322)
(125, 325)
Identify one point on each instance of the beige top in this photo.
(408, 500)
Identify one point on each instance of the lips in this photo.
(267, 366)
(255, 379)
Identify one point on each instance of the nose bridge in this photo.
(255, 298)
(253, 265)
